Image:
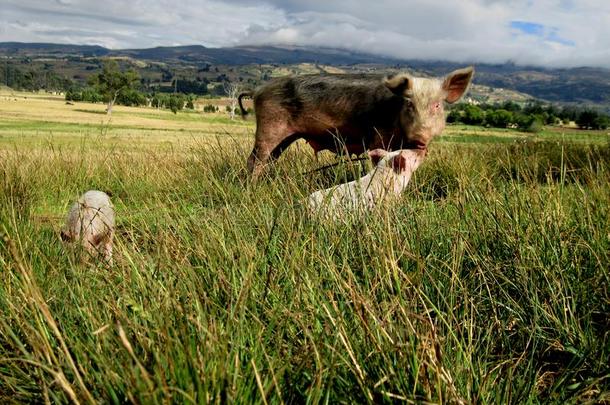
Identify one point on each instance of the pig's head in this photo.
(423, 114)
(398, 166)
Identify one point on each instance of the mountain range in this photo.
(588, 86)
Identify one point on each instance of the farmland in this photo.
(486, 283)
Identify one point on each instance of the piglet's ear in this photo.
(399, 163)
(64, 236)
(456, 83)
(376, 155)
(398, 84)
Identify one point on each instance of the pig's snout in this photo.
(417, 144)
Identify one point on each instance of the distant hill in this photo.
(242, 55)
(585, 85)
(17, 49)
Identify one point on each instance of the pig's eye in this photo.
(436, 107)
(409, 104)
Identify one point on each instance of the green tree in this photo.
(454, 116)
(586, 119)
(190, 102)
(590, 119)
(530, 122)
(90, 95)
(499, 118)
(131, 97)
(111, 81)
(510, 106)
(473, 115)
(159, 100)
(601, 122)
(176, 102)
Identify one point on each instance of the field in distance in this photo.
(486, 283)
(29, 118)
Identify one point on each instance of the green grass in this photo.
(486, 283)
(468, 133)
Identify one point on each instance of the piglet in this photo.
(91, 223)
(389, 178)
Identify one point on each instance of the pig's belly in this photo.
(352, 148)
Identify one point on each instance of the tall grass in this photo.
(487, 283)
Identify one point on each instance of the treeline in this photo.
(31, 80)
(44, 78)
(135, 98)
(531, 117)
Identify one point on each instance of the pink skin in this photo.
(389, 178)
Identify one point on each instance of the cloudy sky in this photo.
(540, 32)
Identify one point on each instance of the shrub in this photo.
(210, 108)
(535, 126)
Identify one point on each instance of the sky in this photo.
(554, 33)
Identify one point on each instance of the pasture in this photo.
(487, 283)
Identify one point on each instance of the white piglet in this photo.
(91, 222)
(389, 177)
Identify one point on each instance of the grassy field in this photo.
(487, 283)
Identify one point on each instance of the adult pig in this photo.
(351, 112)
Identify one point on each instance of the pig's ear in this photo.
(376, 155)
(398, 84)
(456, 83)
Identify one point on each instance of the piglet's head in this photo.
(423, 114)
(402, 162)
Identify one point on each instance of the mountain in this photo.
(584, 85)
(241, 55)
(34, 49)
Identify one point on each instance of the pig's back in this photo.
(93, 213)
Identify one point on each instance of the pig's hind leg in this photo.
(107, 249)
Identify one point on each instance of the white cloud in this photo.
(574, 32)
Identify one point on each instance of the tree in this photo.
(590, 119)
(454, 116)
(90, 95)
(131, 97)
(529, 122)
(189, 103)
(159, 100)
(473, 115)
(586, 119)
(499, 118)
(175, 102)
(601, 122)
(111, 82)
(511, 106)
(232, 91)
